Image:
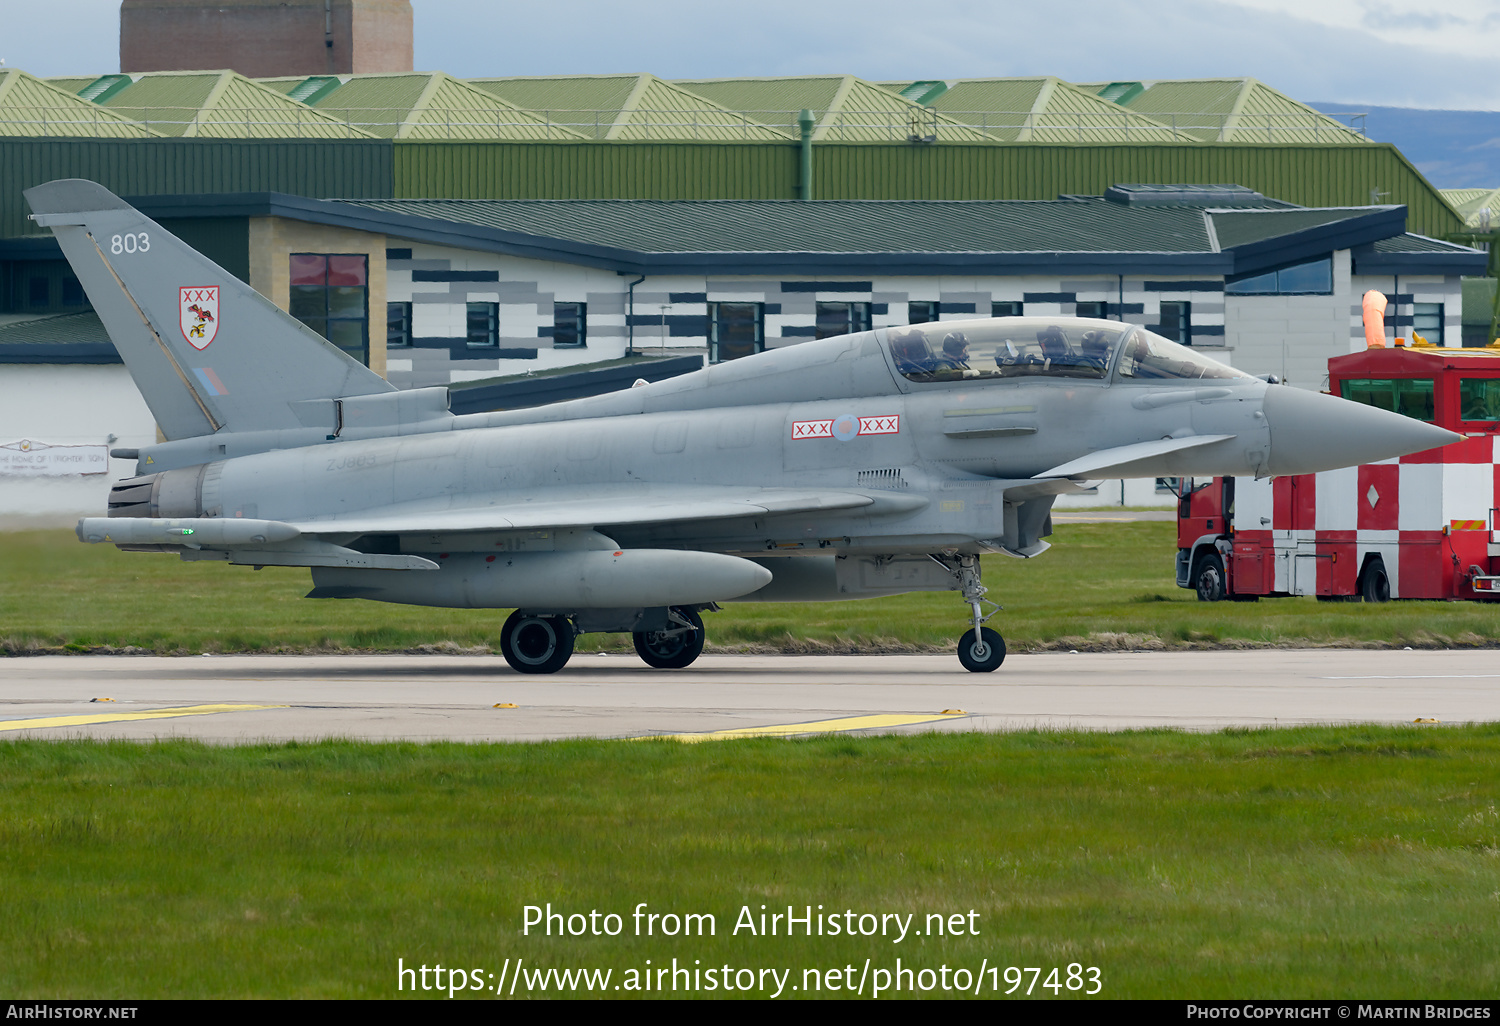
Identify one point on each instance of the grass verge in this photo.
(1101, 586)
(1313, 862)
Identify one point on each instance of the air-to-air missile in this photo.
(869, 464)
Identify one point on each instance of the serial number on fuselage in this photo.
(353, 462)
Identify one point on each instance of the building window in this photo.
(483, 327)
(330, 294)
(922, 311)
(1427, 321)
(842, 319)
(72, 292)
(397, 325)
(1314, 278)
(735, 330)
(1006, 308)
(569, 325)
(39, 292)
(1091, 309)
(1176, 321)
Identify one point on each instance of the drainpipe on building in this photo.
(630, 318)
(806, 121)
(328, 33)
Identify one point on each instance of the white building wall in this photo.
(1291, 336)
(68, 404)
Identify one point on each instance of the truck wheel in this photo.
(1208, 579)
(1374, 585)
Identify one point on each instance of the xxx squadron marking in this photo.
(198, 310)
(846, 427)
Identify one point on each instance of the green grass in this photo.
(1101, 586)
(1339, 862)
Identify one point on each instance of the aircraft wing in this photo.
(602, 508)
(321, 541)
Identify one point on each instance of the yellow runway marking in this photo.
(116, 717)
(816, 727)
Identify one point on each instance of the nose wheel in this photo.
(980, 650)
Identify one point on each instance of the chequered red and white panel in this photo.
(1428, 515)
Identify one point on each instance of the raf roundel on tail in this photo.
(869, 464)
(198, 307)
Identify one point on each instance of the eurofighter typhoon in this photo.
(869, 464)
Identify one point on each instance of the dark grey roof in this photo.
(58, 338)
(860, 226)
(1241, 227)
(1076, 235)
(1417, 254)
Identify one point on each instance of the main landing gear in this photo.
(543, 643)
(676, 646)
(980, 650)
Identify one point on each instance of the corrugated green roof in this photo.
(1237, 110)
(1471, 205)
(849, 109)
(434, 105)
(827, 226)
(634, 107)
(1045, 109)
(222, 105)
(30, 106)
(1240, 227)
(72, 83)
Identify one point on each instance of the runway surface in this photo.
(234, 699)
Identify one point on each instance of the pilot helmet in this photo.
(1052, 339)
(955, 344)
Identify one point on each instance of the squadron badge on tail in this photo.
(199, 314)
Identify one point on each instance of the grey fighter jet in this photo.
(870, 464)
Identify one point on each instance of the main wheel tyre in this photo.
(1375, 586)
(536, 644)
(667, 651)
(983, 653)
(1208, 580)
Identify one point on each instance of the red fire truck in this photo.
(1421, 526)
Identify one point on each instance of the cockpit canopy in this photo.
(1060, 347)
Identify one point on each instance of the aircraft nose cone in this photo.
(1311, 432)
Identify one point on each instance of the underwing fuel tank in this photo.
(554, 581)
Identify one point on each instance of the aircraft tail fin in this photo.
(207, 351)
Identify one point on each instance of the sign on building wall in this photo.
(30, 458)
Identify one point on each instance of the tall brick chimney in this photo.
(266, 38)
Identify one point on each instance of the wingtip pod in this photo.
(188, 532)
(1312, 432)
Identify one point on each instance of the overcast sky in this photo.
(1400, 53)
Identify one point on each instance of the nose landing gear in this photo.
(981, 649)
